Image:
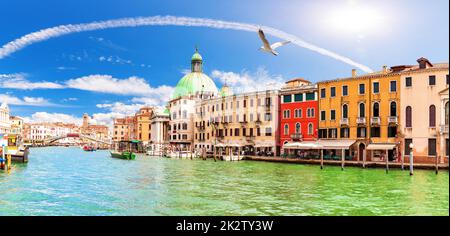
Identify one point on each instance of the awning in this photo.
(302, 145)
(336, 144)
(381, 146)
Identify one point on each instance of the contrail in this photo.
(61, 30)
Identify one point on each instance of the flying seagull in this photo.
(267, 47)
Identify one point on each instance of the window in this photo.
(446, 79)
(286, 114)
(310, 96)
(268, 131)
(333, 92)
(375, 132)
(376, 109)
(308, 112)
(362, 89)
(287, 98)
(362, 110)
(393, 86)
(345, 132)
(408, 117)
(376, 87)
(310, 128)
(392, 131)
(258, 131)
(361, 132)
(408, 141)
(431, 147)
(322, 115)
(345, 111)
(268, 116)
(332, 133)
(446, 113)
(432, 116)
(298, 113)
(432, 80)
(344, 90)
(393, 110)
(322, 133)
(313, 112)
(286, 129)
(322, 93)
(408, 82)
(184, 114)
(298, 97)
(236, 132)
(298, 128)
(333, 115)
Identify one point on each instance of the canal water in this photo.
(69, 181)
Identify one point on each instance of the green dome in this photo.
(225, 91)
(193, 83)
(196, 57)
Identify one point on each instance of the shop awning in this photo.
(302, 145)
(381, 146)
(336, 144)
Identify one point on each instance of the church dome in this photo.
(195, 82)
(225, 91)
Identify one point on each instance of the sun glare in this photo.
(355, 19)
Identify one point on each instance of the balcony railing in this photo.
(344, 121)
(393, 119)
(250, 138)
(375, 121)
(296, 136)
(444, 128)
(361, 120)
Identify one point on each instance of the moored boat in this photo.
(88, 148)
(123, 155)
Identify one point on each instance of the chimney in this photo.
(385, 70)
(354, 73)
(423, 62)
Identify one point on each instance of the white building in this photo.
(5, 123)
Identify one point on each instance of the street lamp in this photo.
(411, 157)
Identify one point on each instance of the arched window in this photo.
(345, 111)
(286, 129)
(376, 109)
(432, 116)
(393, 109)
(408, 116)
(298, 128)
(446, 113)
(362, 110)
(310, 128)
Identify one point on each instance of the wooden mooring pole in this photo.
(387, 161)
(437, 164)
(342, 158)
(321, 159)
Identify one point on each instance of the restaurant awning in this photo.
(381, 146)
(302, 145)
(336, 144)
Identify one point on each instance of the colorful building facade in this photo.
(364, 109)
(298, 112)
(424, 103)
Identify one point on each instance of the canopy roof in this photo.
(320, 144)
(381, 146)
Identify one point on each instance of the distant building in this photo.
(16, 125)
(97, 131)
(123, 129)
(5, 123)
(299, 111)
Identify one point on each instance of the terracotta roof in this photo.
(298, 79)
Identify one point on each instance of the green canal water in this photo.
(69, 181)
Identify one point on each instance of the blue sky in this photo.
(154, 58)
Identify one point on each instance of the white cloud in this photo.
(65, 68)
(108, 84)
(246, 81)
(19, 81)
(25, 101)
(40, 117)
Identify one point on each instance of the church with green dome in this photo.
(196, 83)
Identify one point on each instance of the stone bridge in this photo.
(80, 136)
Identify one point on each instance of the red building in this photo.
(298, 111)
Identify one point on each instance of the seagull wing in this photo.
(263, 39)
(279, 44)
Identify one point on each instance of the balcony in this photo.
(201, 127)
(375, 121)
(393, 120)
(296, 136)
(258, 121)
(361, 120)
(444, 129)
(250, 139)
(344, 121)
(243, 122)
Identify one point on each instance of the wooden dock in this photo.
(396, 165)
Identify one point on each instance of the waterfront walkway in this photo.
(347, 163)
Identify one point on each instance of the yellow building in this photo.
(143, 124)
(364, 109)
